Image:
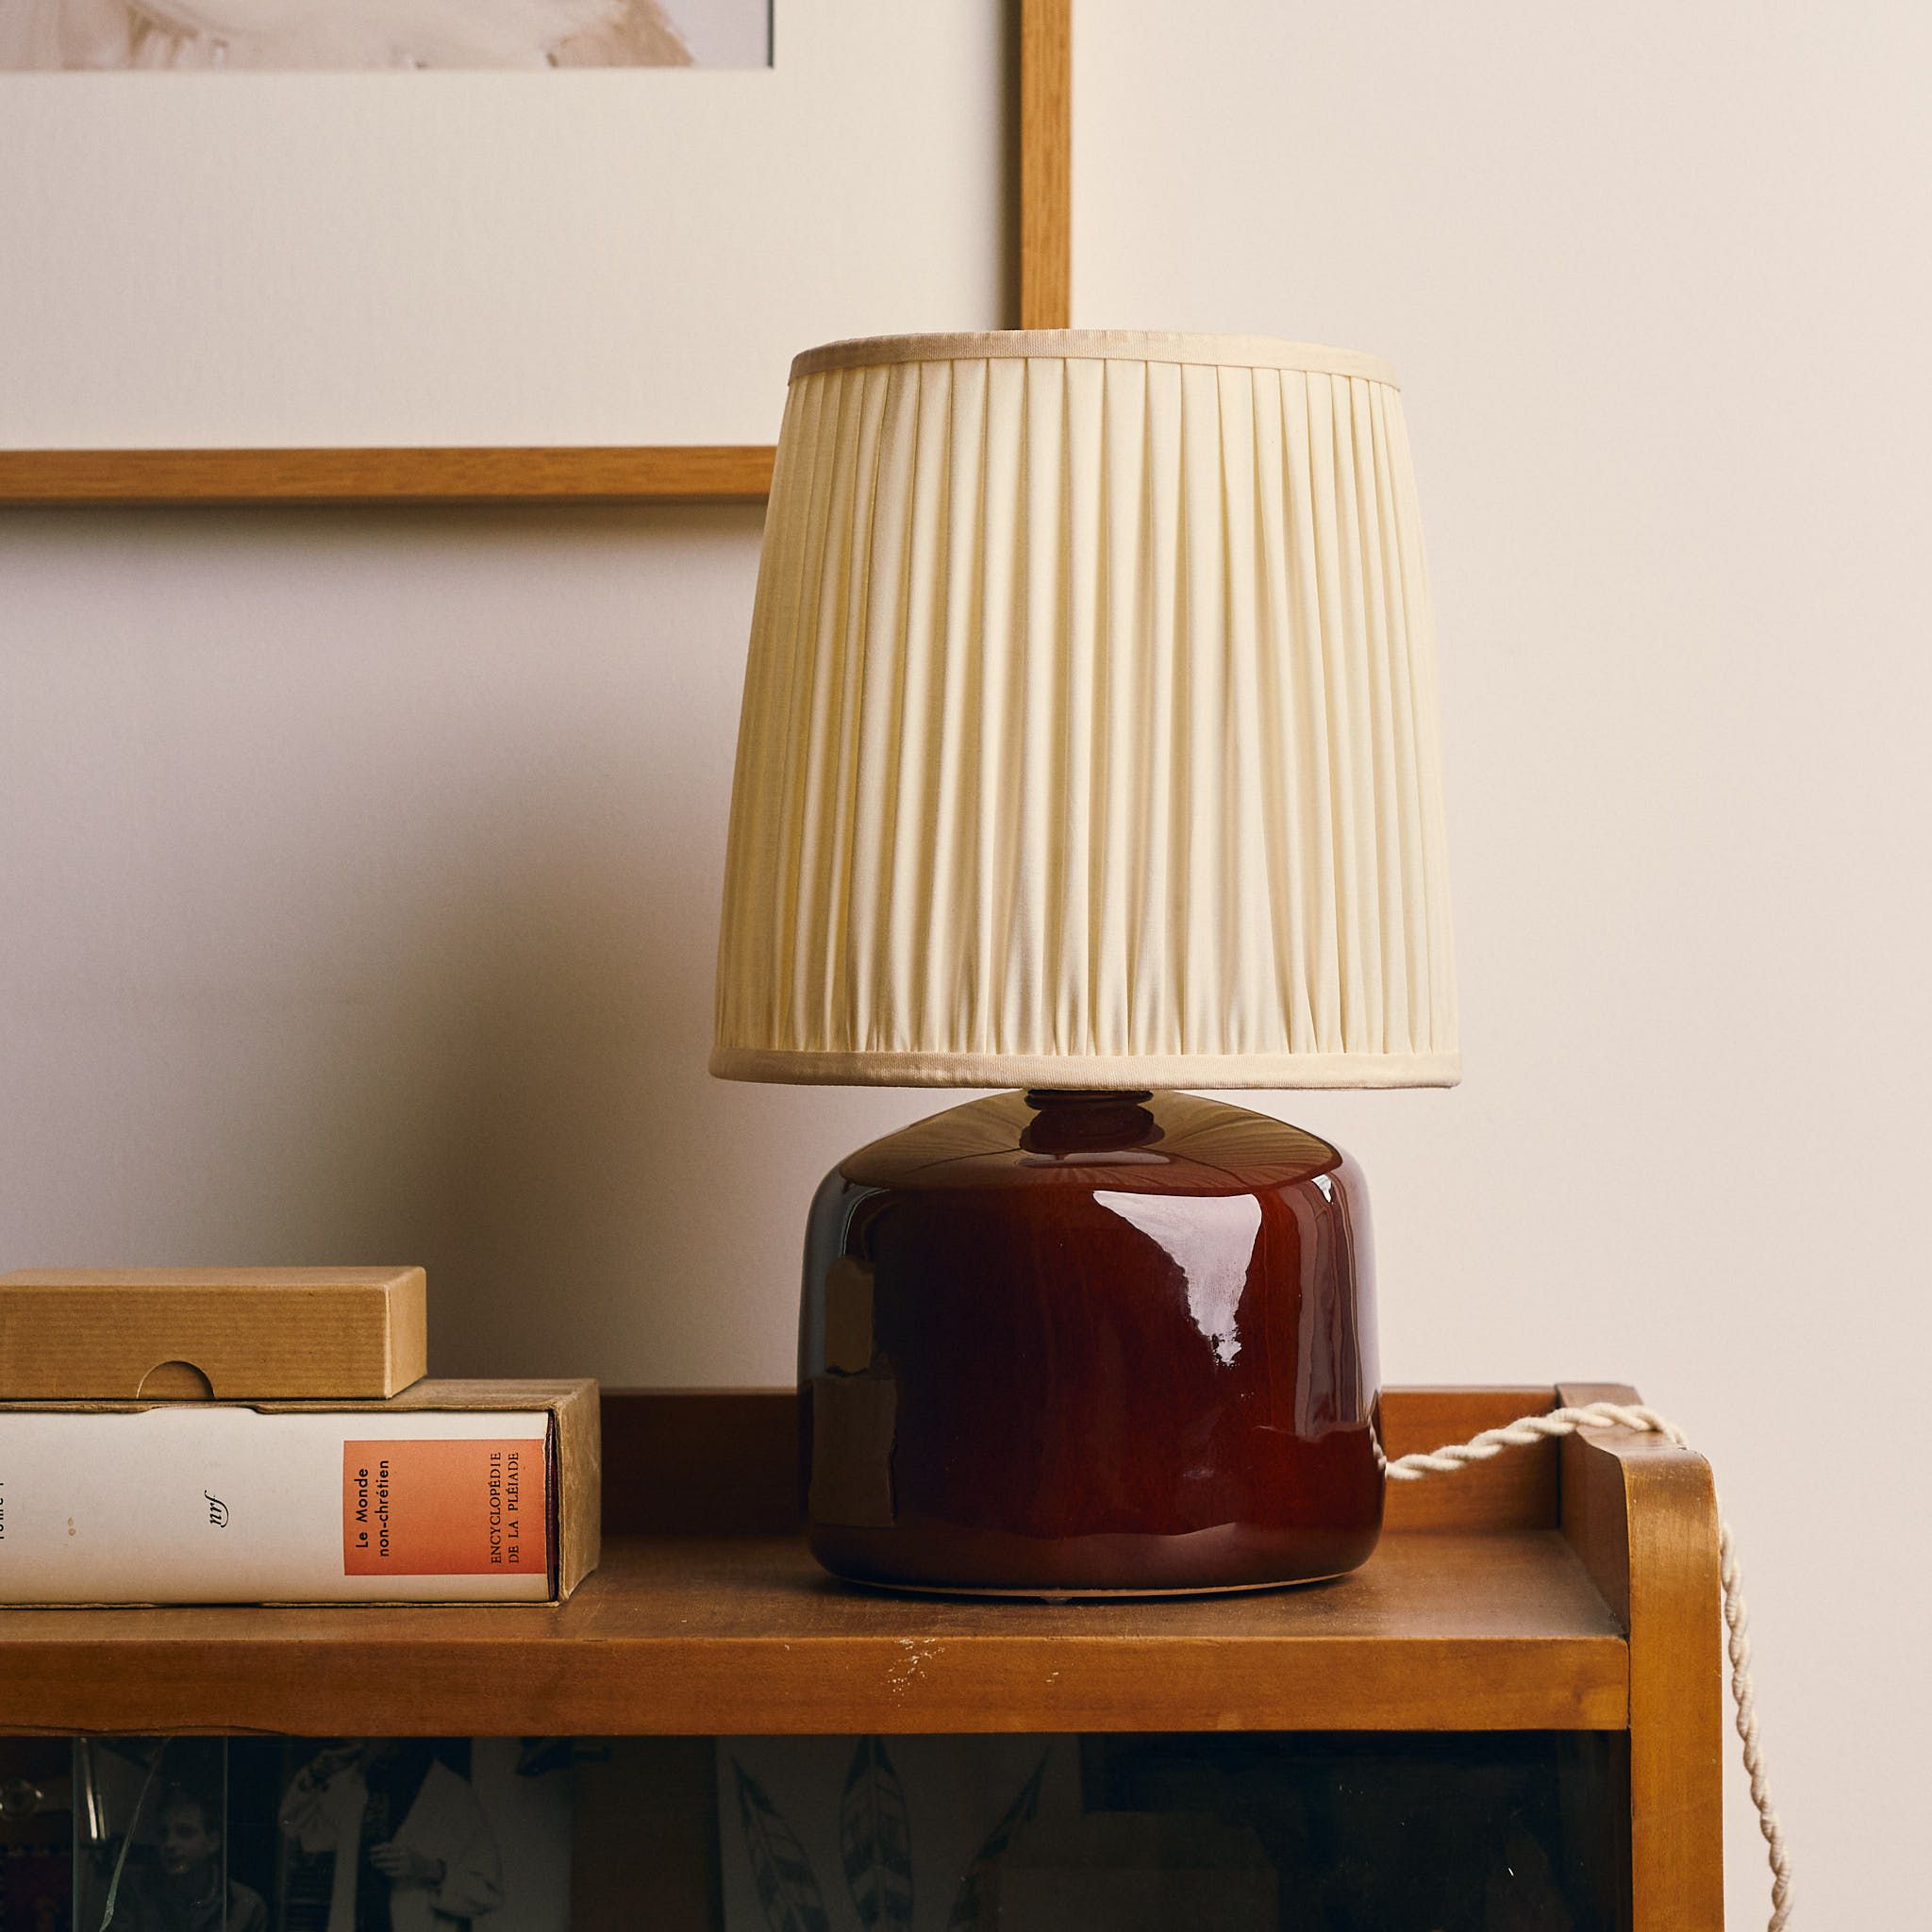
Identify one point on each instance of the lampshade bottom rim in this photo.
(1098, 1071)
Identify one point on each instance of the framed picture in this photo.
(560, 249)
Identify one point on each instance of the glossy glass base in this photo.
(1059, 1345)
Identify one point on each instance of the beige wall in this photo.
(357, 874)
(1657, 280)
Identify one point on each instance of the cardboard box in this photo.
(232, 1334)
(426, 1498)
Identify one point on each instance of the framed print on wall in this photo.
(340, 250)
(260, 37)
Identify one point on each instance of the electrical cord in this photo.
(1611, 1415)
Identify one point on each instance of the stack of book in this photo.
(269, 1436)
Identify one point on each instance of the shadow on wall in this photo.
(500, 1075)
(573, 1074)
(585, 1197)
(361, 874)
(448, 999)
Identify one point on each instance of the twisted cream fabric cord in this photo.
(1610, 1415)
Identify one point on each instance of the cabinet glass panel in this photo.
(1302, 1832)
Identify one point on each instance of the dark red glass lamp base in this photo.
(1059, 1344)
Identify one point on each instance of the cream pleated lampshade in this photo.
(1090, 730)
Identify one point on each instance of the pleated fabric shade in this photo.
(1090, 730)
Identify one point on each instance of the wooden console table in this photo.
(1568, 1587)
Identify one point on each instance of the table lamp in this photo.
(1089, 749)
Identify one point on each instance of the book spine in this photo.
(211, 1503)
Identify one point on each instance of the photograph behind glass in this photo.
(36, 1835)
(319, 1834)
(150, 1840)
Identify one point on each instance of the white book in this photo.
(211, 1503)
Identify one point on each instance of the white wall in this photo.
(357, 872)
(1657, 280)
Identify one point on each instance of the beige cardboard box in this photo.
(236, 1334)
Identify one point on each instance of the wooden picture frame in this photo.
(590, 473)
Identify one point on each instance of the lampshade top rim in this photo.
(1096, 344)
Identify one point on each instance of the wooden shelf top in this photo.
(1443, 1630)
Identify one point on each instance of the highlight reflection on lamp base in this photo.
(1068, 1344)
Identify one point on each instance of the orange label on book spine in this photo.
(440, 1508)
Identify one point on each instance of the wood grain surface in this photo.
(1446, 1631)
(218, 477)
(1517, 1490)
(1046, 123)
(1642, 1518)
(1476, 1612)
